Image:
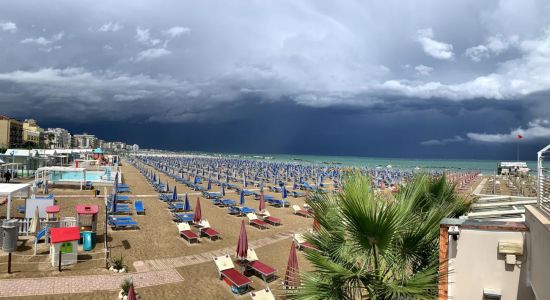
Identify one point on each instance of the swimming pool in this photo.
(93, 176)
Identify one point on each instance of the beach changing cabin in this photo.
(64, 240)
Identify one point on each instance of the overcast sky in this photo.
(385, 78)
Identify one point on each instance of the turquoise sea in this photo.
(484, 166)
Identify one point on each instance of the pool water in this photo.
(96, 176)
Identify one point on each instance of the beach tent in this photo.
(9, 190)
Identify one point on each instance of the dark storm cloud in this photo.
(205, 63)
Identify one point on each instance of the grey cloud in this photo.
(536, 131)
(435, 142)
(316, 53)
(8, 26)
(436, 49)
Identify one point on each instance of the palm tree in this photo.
(376, 246)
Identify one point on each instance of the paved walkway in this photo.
(83, 284)
(175, 262)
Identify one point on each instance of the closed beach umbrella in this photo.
(292, 278)
(131, 292)
(284, 192)
(198, 214)
(209, 187)
(175, 194)
(167, 188)
(261, 187)
(35, 221)
(242, 200)
(186, 205)
(262, 202)
(223, 189)
(154, 177)
(242, 244)
(113, 208)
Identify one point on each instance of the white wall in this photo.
(477, 265)
(538, 248)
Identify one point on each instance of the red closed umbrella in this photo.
(131, 292)
(242, 244)
(198, 214)
(292, 277)
(262, 202)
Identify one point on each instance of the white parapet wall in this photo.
(538, 249)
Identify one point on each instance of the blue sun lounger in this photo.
(123, 190)
(276, 189)
(138, 205)
(296, 194)
(233, 210)
(120, 198)
(176, 206)
(216, 201)
(266, 197)
(231, 186)
(120, 209)
(279, 203)
(248, 192)
(111, 219)
(211, 195)
(227, 202)
(184, 217)
(117, 224)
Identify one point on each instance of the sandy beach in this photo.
(158, 238)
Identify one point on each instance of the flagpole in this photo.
(517, 150)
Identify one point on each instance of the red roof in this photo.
(65, 234)
(83, 209)
(53, 209)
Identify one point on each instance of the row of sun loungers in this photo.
(204, 230)
(238, 282)
(263, 222)
(300, 212)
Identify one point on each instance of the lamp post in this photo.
(12, 154)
